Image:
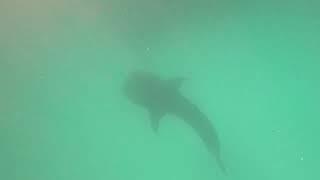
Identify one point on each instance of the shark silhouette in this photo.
(161, 97)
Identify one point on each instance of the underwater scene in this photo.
(159, 90)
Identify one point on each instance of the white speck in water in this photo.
(301, 158)
(148, 49)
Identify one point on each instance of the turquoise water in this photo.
(252, 67)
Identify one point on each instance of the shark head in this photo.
(147, 88)
(149, 91)
(140, 87)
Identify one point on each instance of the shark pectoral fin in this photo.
(155, 125)
(155, 117)
(176, 83)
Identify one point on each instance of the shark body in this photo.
(161, 97)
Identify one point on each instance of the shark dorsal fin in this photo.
(176, 83)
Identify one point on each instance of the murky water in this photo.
(252, 67)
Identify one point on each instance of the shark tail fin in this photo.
(221, 165)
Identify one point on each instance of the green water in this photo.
(252, 67)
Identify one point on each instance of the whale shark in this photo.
(161, 97)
